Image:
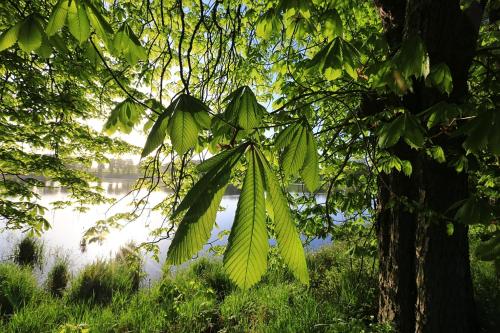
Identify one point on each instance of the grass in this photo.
(29, 252)
(58, 277)
(17, 288)
(200, 298)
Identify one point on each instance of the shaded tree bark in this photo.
(425, 279)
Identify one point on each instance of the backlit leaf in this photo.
(182, 130)
(9, 37)
(412, 58)
(289, 244)
(201, 203)
(243, 109)
(295, 153)
(158, 132)
(440, 77)
(58, 17)
(98, 22)
(78, 22)
(389, 133)
(30, 35)
(310, 170)
(245, 259)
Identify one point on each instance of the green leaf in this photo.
(268, 24)
(390, 133)
(336, 56)
(182, 126)
(295, 153)
(9, 37)
(407, 168)
(212, 167)
(412, 58)
(332, 23)
(483, 132)
(158, 132)
(126, 43)
(243, 109)
(441, 113)
(310, 170)
(196, 225)
(440, 77)
(285, 137)
(78, 22)
(202, 119)
(57, 18)
(216, 159)
(124, 117)
(183, 131)
(201, 203)
(45, 50)
(289, 244)
(98, 22)
(245, 259)
(437, 153)
(413, 133)
(30, 35)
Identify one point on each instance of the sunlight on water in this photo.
(68, 226)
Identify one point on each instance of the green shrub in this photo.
(336, 274)
(129, 256)
(58, 277)
(17, 287)
(266, 308)
(211, 273)
(29, 252)
(139, 312)
(98, 282)
(40, 315)
(190, 304)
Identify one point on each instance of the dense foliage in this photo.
(278, 91)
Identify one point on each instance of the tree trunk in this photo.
(425, 280)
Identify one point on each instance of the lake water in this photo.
(68, 226)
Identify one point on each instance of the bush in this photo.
(29, 252)
(211, 273)
(98, 282)
(128, 255)
(190, 304)
(336, 274)
(17, 287)
(42, 314)
(279, 308)
(58, 278)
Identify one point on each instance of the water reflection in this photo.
(68, 226)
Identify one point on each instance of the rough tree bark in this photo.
(425, 280)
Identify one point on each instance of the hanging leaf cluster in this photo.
(183, 119)
(127, 44)
(243, 110)
(440, 77)
(27, 33)
(299, 154)
(80, 17)
(483, 132)
(268, 24)
(124, 117)
(405, 125)
(245, 259)
(335, 57)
